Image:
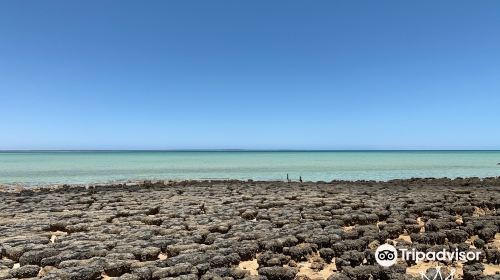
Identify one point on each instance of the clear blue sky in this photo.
(119, 74)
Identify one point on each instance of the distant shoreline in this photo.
(444, 181)
(257, 150)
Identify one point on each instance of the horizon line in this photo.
(247, 150)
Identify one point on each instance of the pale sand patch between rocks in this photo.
(421, 224)
(250, 266)
(348, 228)
(45, 270)
(496, 241)
(162, 256)
(316, 268)
(470, 241)
(380, 223)
(373, 245)
(478, 212)
(490, 269)
(306, 270)
(404, 237)
(56, 234)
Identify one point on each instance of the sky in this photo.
(260, 74)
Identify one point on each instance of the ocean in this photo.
(85, 167)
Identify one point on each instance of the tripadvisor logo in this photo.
(386, 255)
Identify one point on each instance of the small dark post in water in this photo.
(300, 179)
(287, 178)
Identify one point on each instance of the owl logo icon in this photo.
(386, 255)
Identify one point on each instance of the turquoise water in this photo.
(94, 167)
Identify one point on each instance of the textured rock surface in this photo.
(206, 230)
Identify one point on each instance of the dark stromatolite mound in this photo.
(215, 229)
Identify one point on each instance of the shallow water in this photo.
(102, 166)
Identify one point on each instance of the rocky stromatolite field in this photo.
(246, 230)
